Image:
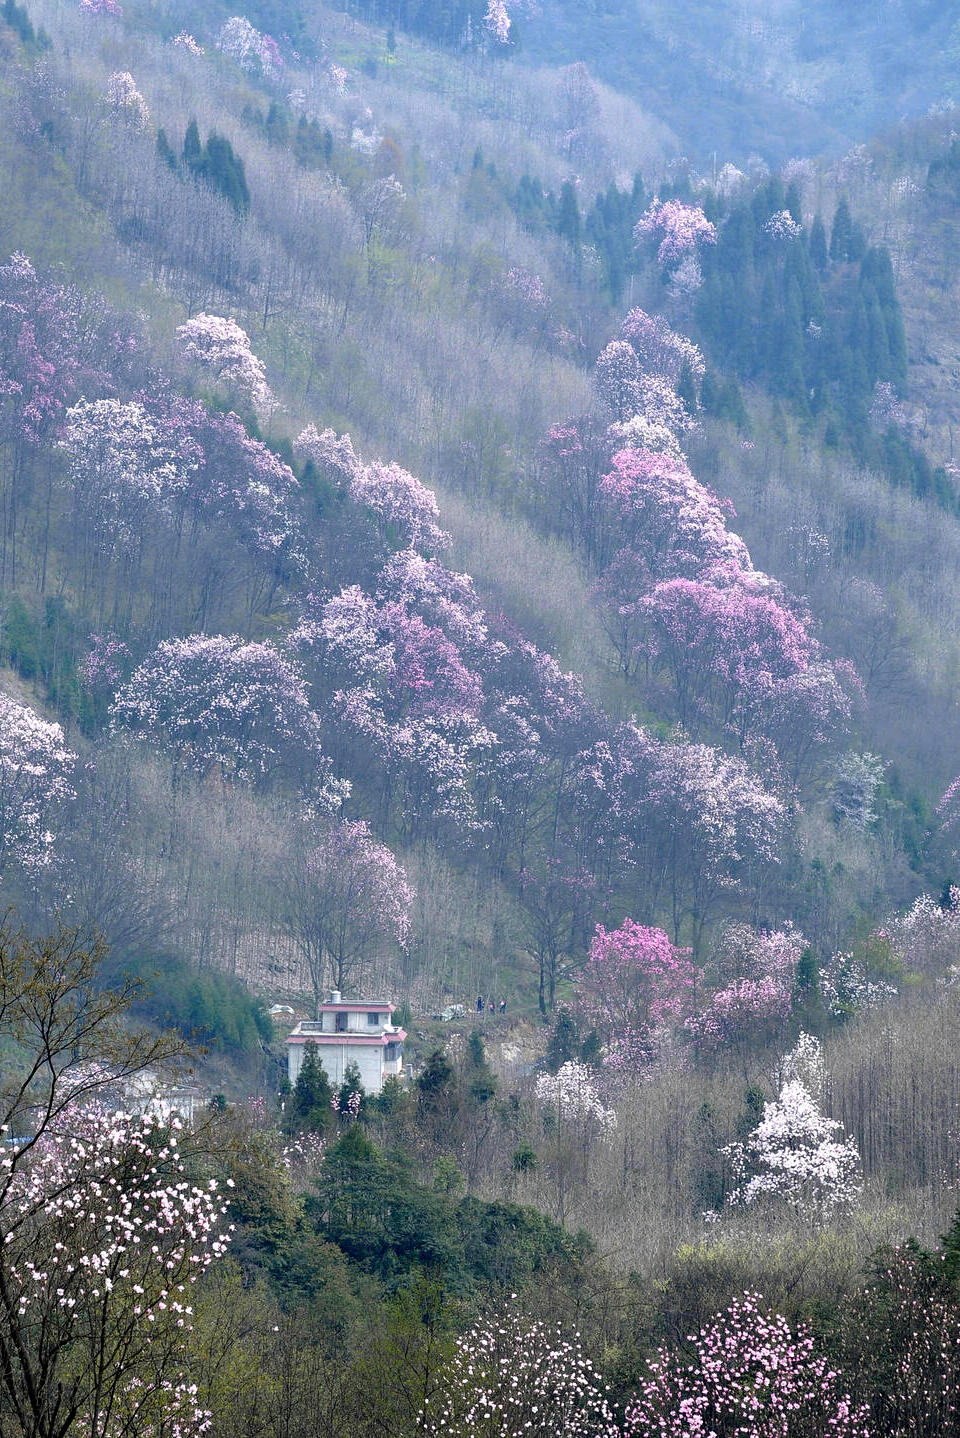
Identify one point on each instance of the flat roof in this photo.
(359, 1005)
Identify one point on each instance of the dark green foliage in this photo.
(568, 217)
(818, 245)
(374, 1210)
(564, 1042)
(819, 332)
(943, 176)
(479, 1077)
(847, 240)
(312, 1093)
(215, 163)
(44, 646)
(18, 19)
(165, 151)
(210, 1009)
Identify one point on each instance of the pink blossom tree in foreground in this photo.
(745, 1375)
(514, 1379)
(35, 770)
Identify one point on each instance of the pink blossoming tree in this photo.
(635, 982)
(745, 1373)
(679, 228)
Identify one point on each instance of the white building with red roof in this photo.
(359, 1031)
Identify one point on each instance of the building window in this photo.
(341, 1023)
(373, 1020)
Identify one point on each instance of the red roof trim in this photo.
(370, 1040)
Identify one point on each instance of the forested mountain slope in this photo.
(454, 547)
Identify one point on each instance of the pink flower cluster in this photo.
(680, 228)
(220, 346)
(634, 980)
(747, 1374)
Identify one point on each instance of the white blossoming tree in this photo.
(511, 1378)
(796, 1155)
(105, 1222)
(35, 769)
(222, 348)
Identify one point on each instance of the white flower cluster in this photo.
(571, 1094)
(794, 1154)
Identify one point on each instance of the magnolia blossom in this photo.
(121, 468)
(401, 503)
(125, 100)
(513, 1377)
(345, 900)
(676, 523)
(35, 770)
(252, 51)
(680, 227)
(570, 1094)
(106, 663)
(331, 454)
(744, 1373)
(754, 999)
(100, 7)
(782, 226)
(220, 346)
(497, 20)
(103, 1228)
(661, 349)
(185, 41)
(794, 1154)
(635, 978)
(219, 702)
(629, 389)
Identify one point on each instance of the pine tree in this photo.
(818, 244)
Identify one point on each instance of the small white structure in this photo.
(358, 1031)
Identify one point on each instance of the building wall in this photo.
(335, 1058)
